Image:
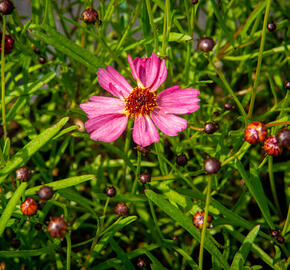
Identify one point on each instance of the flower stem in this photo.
(260, 57)
(231, 92)
(272, 183)
(68, 251)
(204, 227)
(277, 124)
(286, 222)
(149, 10)
(3, 78)
(166, 27)
(137, 173)
(195, 128)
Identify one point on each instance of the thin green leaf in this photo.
(186, 223)
(241, 255)
(23, 155)
(255, 187)
(11, 206)
(116, 227)
(176, 37)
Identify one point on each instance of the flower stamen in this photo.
(140, 102)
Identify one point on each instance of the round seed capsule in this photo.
(111, 191)
(42, 60)
(145, 178)
(181, 160)
(45, 193)
(275, 233)
(90, 16)
(8, 44)
(228, 106)
(6, 7)
(212, 165)
(29, 207)
(57, 227)
(280, 239)
(206, 44)
(23, 174)
(287, 85)
(198, 220)
(255, 132)
(194, 2)
(283, 137)
(121, 209)
(271, 26)
(141, 263)
(210, 127)
(272, 146)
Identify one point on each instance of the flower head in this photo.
(108, 116)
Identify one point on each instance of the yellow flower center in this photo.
(140, 102)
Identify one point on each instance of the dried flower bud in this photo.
(23, 174)
(210, 127)
(272, 147)
(145, 178)
(271, 26)
(6, 7)
(206, 44)
(57, 227)
(45, 193)
(8, 44)
(255, 132)
(198, 220)
(29, 207)
(42, 60)
(121, 209)
(181, 160)
(111, 191)
(275, 233)
(228, 106)
(212, 165)
(287, 85)
(90, 15)
(283, 137)
(280, 239)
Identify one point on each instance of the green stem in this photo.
(137, 173)
(204, 227)
(272, 183)
(260, 57)
(166, 27)
(3, 78)
(149, 10)
(231, 92)
(286, 223)
(68, 251)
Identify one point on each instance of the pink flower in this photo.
(108, 116)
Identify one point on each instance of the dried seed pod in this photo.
(121, 209)
(255, 133)
(283, 137)
(141, 263)
(23, 174)
(181, 160)
(210, 127)
(145, 178)
(6, 7)
(8, 44)
(228, 106)
(45, 193)
(90, 16)
(272, 146)
(57, 227)
(206, 44)
(198, 220)
(280, 239)
(287, 85)
(29, 207)
(111, 191)
(275, 233)
(42, 60)
(271, 26)
(212, 165)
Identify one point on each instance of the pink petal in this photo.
(102, 105)
(111, 80)
(178, 101)
(106, 128)
(150, 71)
(168, 123)
(144, 131)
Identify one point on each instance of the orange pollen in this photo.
(140, 102)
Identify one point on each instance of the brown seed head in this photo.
(206, 44)
(210, 127)
(111, 191)
(198, 220)
(8, 44)
(29, 207)
(181, 160)
(212, 165)
(271, 26)
(45, 193)
(23, 174)
(255, 133)
(6, 7)
(283, 137)
(90, 16)
(121, 209)
(145, 178)
(272, 146)
(57, 227)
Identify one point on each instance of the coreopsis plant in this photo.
(108, 116)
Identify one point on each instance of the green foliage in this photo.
(43, 129)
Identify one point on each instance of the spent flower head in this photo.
(108, 116)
